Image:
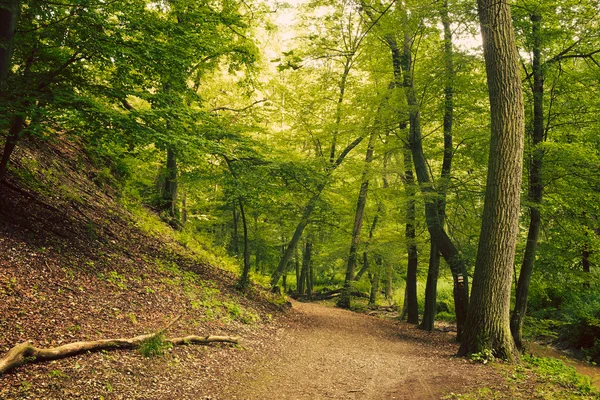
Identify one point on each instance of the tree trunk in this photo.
(308, 211)
(488, 321)
(430, 307)
(169, 195)
(344, 300)
(184, 211)
(389, 280)
(373, 277)
(411, 304)
(297, 265)
(338, 109)
(16, 128)
(434, 224)
(434, 255)
(235, 238)
(244, 280)
(371, 232)
(10, 11)
(304, 273)
(535, 187)
(310, 276)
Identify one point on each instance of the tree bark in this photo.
(389, 280)
(10, 11)
(169, 195)
(358, 222)
(244, 280)
(410, 303)
(373, 277)
(535, 187)
(235, 239)
(16, 128)
(434, 255)
(365, 267)
(488, 321)
(434, 225)
(305, 271)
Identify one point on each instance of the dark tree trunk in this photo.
(374, 278)
(184, 211)
(169, 194)
(244, 280)
(310, 276)
(305, 272)
(338, 110)
(488, 321)
(14, 134)
(297, 265)
(535, 187)
(235, 238)
(10, 11)
(389, 280)
(585, 261)
(430, 307)
(257, 259)
(434, 224)
(365, 266)
(344, 300)
(257, 246)
(411, 304)
(434, 255)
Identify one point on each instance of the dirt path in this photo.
(328, 353)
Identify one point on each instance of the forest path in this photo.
(329, 353)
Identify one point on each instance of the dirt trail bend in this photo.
(328, 353)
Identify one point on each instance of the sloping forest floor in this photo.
(74, 265)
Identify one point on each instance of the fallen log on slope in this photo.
(26, 352)
(326, 295)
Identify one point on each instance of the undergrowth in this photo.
(154, 346)
(536, 378)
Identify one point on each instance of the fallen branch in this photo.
(326, 295)
(25, 353)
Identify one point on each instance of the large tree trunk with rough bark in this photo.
(535, 187)
(488, 321)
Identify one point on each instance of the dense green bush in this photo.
(581, 313)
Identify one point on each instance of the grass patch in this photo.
(154, 346)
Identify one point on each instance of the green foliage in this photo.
(58, 374)
(483, 356)
(556, 372)
(154, 346)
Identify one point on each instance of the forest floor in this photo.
(329, 353)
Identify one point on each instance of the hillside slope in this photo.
(74, 265)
